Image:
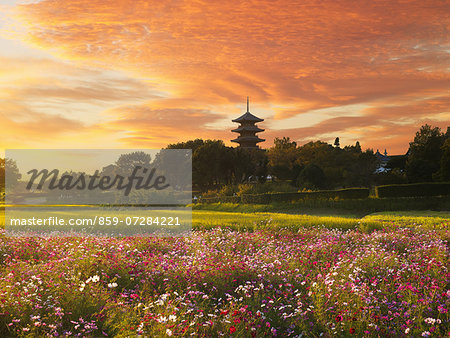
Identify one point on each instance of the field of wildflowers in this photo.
(310, 282)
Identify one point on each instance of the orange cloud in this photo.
(147, 126)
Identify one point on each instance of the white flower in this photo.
(169, 332)
(95, 279)
(82, 285)
(430, 321)
(112, 285)
(426, 334)
(407, 330)
(172, 318)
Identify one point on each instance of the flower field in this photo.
(311, 282)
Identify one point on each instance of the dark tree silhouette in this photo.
(424, 155)
(336, 142)
(311, 177)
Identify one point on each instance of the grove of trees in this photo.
(312, 166)
(318, 165)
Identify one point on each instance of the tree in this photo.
(127, 162)
(360, 169)
(424, 155)
(336, 142)
(9, 173)
(191, 144)
(282, 158)
(397, 162)
(210, 164)
(329, 159)
(355, 149)
(311, 177)
(444, 172)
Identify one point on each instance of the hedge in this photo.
(352, 193)
(360, 207)
(413, 190)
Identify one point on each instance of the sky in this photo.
(78, 74)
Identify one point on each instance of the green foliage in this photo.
(347, 167)
(267, 198)
(424, 154)
(311, 177)
(215, 165)
(255, 221)
(394, 176)
(397, 162)
(210, 163)
(268, 187)
(414, 219)
(413, 190)
(9, 167)
(127, 162)
(282, 158)
(325, 206)
(444, 173)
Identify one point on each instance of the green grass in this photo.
(262, 217)
(289, 208)
(206, 219)
(416, 219)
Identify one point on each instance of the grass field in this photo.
(207, 219)
(249, 220)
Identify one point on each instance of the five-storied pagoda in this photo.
(247, 130)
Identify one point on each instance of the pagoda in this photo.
(247, 130)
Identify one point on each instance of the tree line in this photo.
(318, 165)
(313, 166)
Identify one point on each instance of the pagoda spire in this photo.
(248, 110)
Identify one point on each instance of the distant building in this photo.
(247, 130)
(383, 160)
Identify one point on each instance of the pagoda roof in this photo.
(248, 139)
(248, 128)
(248, 117)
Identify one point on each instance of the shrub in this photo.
(256, 199)
(353, 193)
(266, 198)
(413, 190)
(268, 187)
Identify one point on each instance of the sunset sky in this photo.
(142, 74)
